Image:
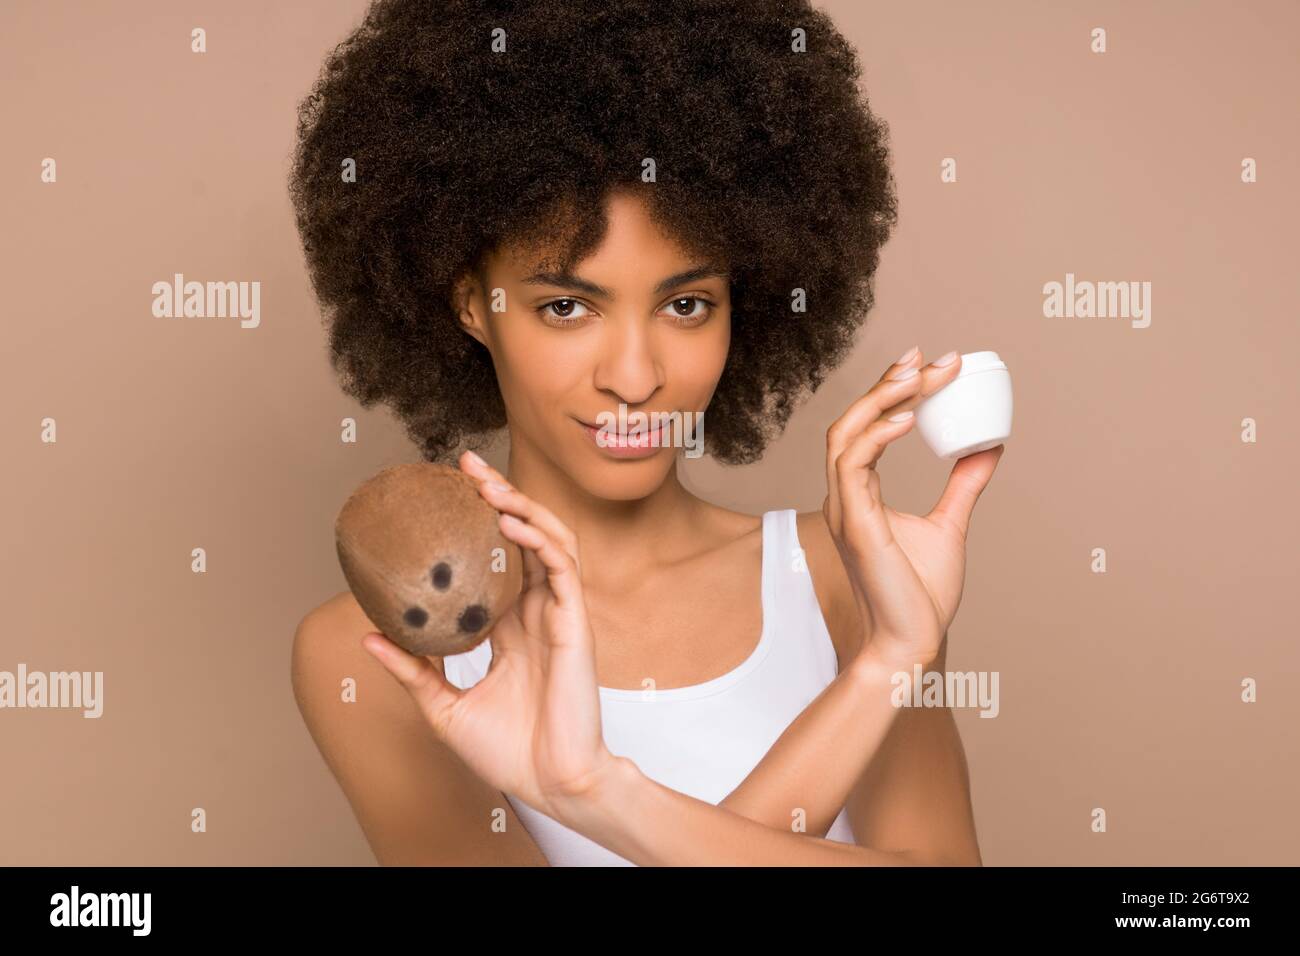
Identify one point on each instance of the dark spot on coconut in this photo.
(473, 618)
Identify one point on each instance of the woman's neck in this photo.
(620, 541)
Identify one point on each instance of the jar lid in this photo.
(972, 362)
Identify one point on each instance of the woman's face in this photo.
(639, 323)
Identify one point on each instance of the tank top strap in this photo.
(784, 567)
(790, 597)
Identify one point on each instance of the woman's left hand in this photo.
(531, 726)
(906, 570)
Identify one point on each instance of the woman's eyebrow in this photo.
(690, 275)
(569, 280)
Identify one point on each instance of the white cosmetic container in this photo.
(970, 413)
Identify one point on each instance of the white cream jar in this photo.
(970, 413)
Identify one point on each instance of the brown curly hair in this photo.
(767, 158)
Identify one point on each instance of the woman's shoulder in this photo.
(342, 609)
(327, 650)
(414, 798)
(324, 631)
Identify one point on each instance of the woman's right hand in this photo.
(531, 726)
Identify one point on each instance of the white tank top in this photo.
(704, 739)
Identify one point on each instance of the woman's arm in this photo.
(653, 825)
(808, 774)
(915, 794)
(907, 789)
(900, 774)
(905, 573)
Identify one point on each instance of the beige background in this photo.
(1118, 690)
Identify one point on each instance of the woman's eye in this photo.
(564, 314)
(685, 308)
(690, 310)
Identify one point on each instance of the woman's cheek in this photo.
(701, 361)
(543, 368)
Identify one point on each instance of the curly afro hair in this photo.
(478, 123)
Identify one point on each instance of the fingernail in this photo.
(945, 359)
(476, 459)
(900, 417)
(496, 485)
(902, 374)
(907, 356)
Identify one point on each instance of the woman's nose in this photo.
(629, 365)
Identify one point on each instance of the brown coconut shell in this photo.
(425, 559)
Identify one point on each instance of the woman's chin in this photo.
(623, 479)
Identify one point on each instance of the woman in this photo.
(538, 218)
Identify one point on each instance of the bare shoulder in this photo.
(831, 583)
(327, 652)
(415, 800)
(321, 632)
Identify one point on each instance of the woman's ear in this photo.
(467, 302)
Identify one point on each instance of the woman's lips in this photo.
(634, 445)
